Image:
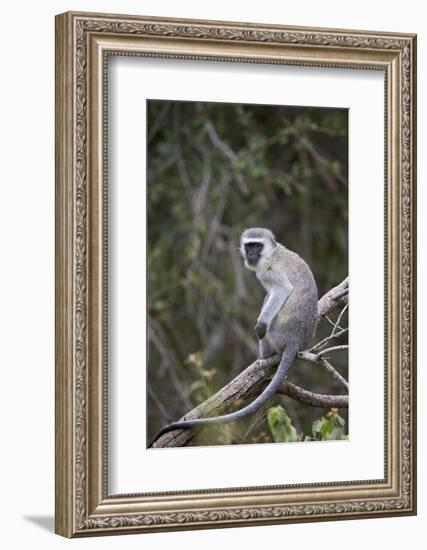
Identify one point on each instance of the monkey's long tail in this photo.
(286, 361)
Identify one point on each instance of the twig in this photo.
(323, 342)
(334, 373)
(333, 323)
(228, 152)
(318, 360)
(159, 121)
(338, 321)
(168, 360)
(158, 403)
(333, 348)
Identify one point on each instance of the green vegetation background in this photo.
(213, 170)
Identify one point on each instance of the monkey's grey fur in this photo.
(287, 319)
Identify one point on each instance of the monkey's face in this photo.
(256, 243)
(253, 252)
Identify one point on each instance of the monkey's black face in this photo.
(253, 252)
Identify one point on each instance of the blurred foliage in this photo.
(329, 427)
(280, 425)
(214, 169)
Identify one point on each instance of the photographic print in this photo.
(247, 274)
(205, 236)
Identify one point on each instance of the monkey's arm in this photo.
(275, 301)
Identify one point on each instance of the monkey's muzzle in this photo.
(253, 252)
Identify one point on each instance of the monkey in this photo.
(287, 319)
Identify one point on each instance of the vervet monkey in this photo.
(287, 319)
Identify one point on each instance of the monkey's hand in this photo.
(260, 329)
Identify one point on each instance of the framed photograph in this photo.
(235, 274)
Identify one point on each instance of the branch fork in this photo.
(255, 376)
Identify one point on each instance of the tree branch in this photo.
(335, 297)
(314, 399)
(228, 152)
(319, 360)
(255, 377)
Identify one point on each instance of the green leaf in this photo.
(284, 185)
(331, 427)
(280, 425)
(317, 428)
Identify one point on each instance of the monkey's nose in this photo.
(252, 258)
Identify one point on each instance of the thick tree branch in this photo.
(335, 297)
(314, 399)
(255, 377)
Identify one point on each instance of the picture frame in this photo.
(84, 506)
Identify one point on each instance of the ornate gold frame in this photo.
(83, 506)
